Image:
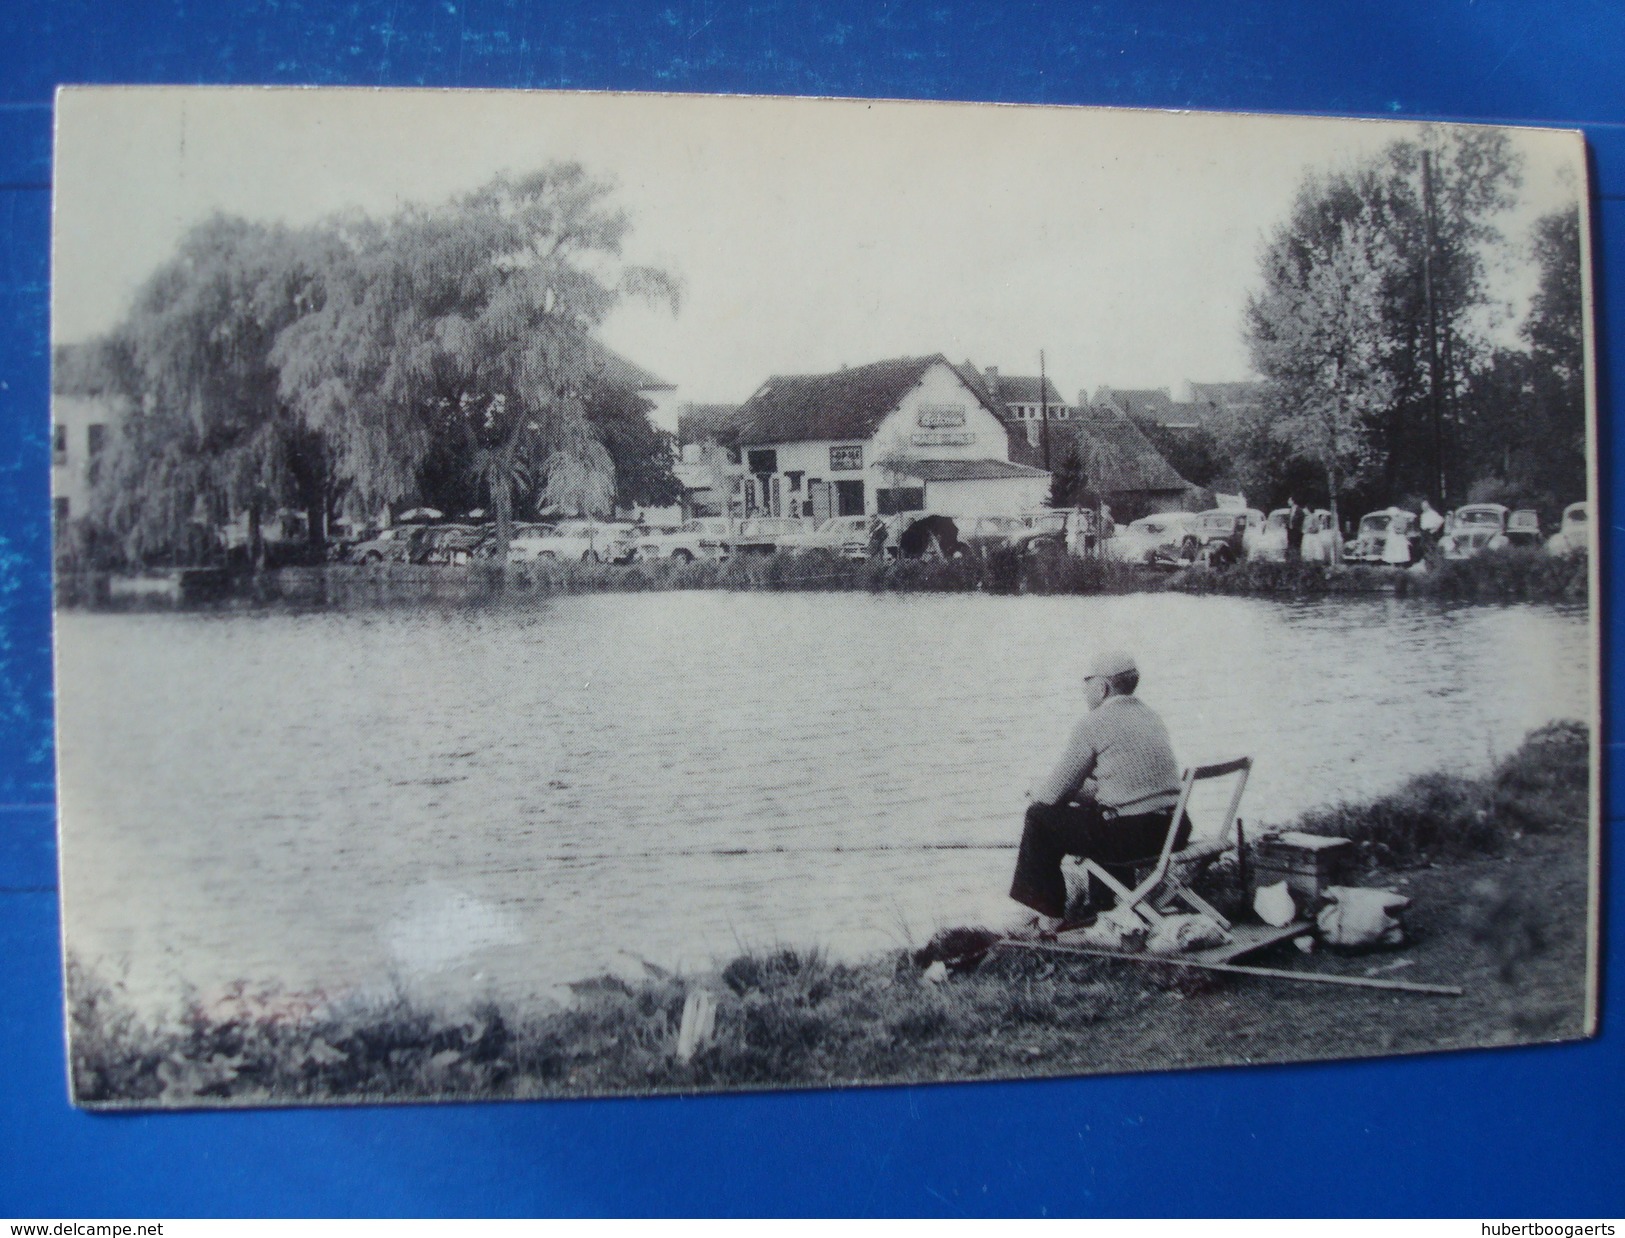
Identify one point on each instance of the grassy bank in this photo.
(1497, 576)
(1514, 935)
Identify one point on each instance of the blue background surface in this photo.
(1492, 1134)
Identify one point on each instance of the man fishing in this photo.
(1109, 797)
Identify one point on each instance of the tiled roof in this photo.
(617, 371)
(1152, 402)
(848, 404)
(1011, 389)
(698, 422)
(967, 470)
(1113, 441)
(1226, 393)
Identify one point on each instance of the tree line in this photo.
(443, 356)
(1374, 328)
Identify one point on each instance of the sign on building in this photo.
(944, 438)
(846, 459)
(933, 416)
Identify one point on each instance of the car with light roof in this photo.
(1154, 540)
(1573, 534)
(847, 536)
(1392, 536)
(1474, 528)
(761, 534)
(704, 537)
(392, 545)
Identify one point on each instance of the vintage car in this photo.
(1222, 536)
(569, 541)
(1069, 530)
(1473, 529)
(619, 541)
(705, 537)
(392, 545)
(1152, 539)
(1523, 528)
(1574, 533)
(847, 536)
(760, 534)
(446, 544)
(981, 535)
(1319, 536)
(1390, 536)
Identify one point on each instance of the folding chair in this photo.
(1163, 883)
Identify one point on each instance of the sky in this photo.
(807, 234)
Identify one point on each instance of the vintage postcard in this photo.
(582, 594)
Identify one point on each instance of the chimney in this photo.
(991, 374)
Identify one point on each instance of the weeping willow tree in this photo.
(472, 326)
(207, 434)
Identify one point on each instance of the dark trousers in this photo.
(1294, 547)
(1054, 831)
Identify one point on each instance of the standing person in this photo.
(1110, 796)
(1294, 530)
(1432, 523)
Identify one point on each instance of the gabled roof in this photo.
(698, 422)
(848, 404)
(1227, 393)
(1152, 402)
(617, 371)
(1113, 441)
(1011, 388)
(966, 470)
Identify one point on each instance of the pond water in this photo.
(493, 802)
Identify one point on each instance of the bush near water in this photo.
(1511, 575)
(786, 1017)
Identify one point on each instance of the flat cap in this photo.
(1111, 662)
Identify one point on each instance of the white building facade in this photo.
(901, 435)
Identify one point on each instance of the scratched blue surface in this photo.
(1505, 1134)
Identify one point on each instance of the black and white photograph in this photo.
(586, 594)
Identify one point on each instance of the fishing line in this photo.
(730, 852)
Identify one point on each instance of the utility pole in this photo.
(1434, 378)
(1043, 406)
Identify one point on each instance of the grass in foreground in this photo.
(787, 1018)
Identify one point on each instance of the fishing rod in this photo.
(729, 852)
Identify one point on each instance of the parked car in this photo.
(446, 544)
(761, 534)
(981, 535)
(705, 537)
(619, 541)
(392, 545)
(1070, 530)
(1319, 536)
(1221, 537)
(1152, 539)
(1390, 536)
(847, 536)
(570, 542)
(1473, 529)
(1573, 533)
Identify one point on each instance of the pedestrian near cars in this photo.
(1110, 797)
(1432, 523)
(1294, 530)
